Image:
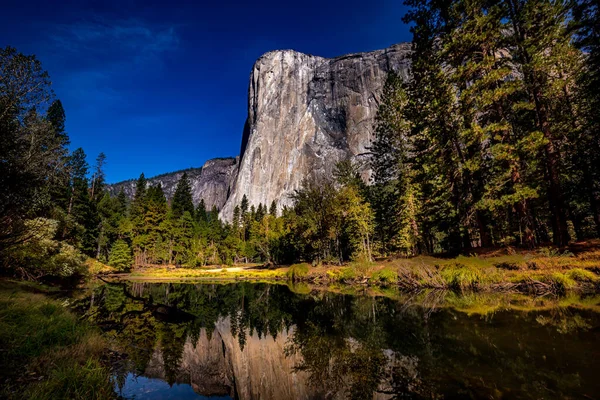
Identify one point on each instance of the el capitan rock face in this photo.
(212, 182)
(261, 369)
(305, 113)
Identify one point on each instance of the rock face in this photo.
(218, 366)
(305, 113)
(212, 182)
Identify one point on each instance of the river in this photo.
(265, 341)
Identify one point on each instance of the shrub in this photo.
(559, 282)
(120, 256)
(582, 275)
(385, 277)
(297, 271)
(347, 274)
(461, 276)
(41, 255)
(551, 252)
(67, 262)
(334, 274)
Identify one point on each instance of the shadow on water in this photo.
(265, 341)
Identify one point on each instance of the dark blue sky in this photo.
(162, 86)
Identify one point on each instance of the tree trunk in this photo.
(484, 235)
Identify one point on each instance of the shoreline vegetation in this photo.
(534, 272)
(487, 152)
(46, 351)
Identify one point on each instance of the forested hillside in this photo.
(493, 141)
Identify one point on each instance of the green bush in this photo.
(560, 283)
(385, 277)
(461, 276)
(41, 255)
(582, 275)
(120, 256)
(67, 262)
(297, 271)
(347, 274)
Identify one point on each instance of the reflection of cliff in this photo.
(219, 366)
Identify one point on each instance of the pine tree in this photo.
(57, 117)
(539, 43)
(235, 224)
(436, 153)
(245, 216)
(261, 211)
(273, 209)
(156, 213)
(201, 216)
(390, 170)
(496, 149)
(78, 168)
(120, 256)
(182, 198)
(586, 152)
(122, 201)
(136, 215)
(139, 198)
(98, 176)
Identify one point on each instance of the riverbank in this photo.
(537, 272)
(46, 352)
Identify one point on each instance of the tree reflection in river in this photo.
(259, 340)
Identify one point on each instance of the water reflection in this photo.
(266, 341)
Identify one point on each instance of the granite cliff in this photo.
(211, 182)
(305, 113)
(261, 369)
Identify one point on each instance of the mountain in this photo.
(211, 182)
(305, 113)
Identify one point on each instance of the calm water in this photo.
(260, 341)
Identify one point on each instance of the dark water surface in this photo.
(262, 341)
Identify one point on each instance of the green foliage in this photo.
(182, 199)
(39, 335)
(582, 275)
(297, 271)
(385, 277)
(488, 144)
(120, 256)
(40, 254)
(461, 276)
(554, 252)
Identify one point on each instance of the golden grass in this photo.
(95, 267)
(529, 271)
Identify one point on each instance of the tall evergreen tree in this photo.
(586, 156)
(273, 209)
(139, 198)
(392, 191)
(57, 117)
(436, 155)
(540, 43)
(98, 176)
(182, 198)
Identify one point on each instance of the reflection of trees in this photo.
(344, 347)
(354, 346)
(172, 341)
